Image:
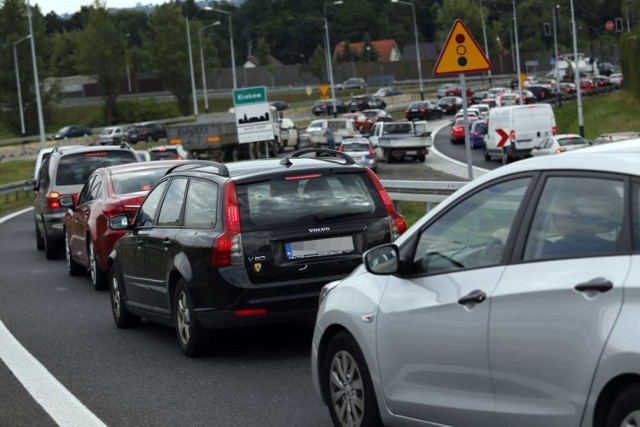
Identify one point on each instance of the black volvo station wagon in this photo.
(218, 246)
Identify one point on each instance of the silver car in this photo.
(515, 302)
(361, 151)
(559, 144)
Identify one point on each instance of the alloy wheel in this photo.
(115, 296)
(93, 264)
(631, 420)
(347, 390)
(183, 318)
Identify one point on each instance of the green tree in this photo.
(317, 63)
(64, 53)
(168, 52)
(369, 52)
(101, 51)
(263, 51)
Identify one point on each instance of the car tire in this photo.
(506, 159)
(355, 400)
(485, 154)
(422, 158)
(73, 268)
(39, 239)
(192, 336)
(98, 275)
(625, 410)
(51, 247)
(121, 315)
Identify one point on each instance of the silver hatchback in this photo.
(515, 302)
(361, 151)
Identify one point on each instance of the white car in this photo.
(44, 153)
(112, 135)
(472, 114)
(557, 144)
(513, 303)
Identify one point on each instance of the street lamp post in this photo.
(35, 78)
(193, 77)
(576, 71)
(126, 58)
(233, 57)
(204, 75)
(329, 59)
(15, 59)
(555, 49)
(515, 30)
(415, 32)
(486, 43)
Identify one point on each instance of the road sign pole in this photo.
(467, 139)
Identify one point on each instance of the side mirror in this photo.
(119, 222)
(30, 185)
(382, 260)
(66, 202)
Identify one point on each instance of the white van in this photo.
(514, 131)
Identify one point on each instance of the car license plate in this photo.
(414, 110)
(319, 247)
(411, 153)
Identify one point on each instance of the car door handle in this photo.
(474, 297)
(598, 285)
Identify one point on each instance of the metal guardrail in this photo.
(13, 192)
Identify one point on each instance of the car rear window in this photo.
(306, 200)
(166, 154)
(571, 141)
(342, 124)
(358, 146)
(74, 169)
(132, 182)
(397, 128)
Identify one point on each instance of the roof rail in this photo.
(348, 159)
(193, 164)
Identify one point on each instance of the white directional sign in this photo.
(253, 115)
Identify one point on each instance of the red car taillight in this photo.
(422, 110)
(227, 248)
(554, 130)
(53, 200)
(113, 209)
(406, 111)
(512, 135)
(397, 223)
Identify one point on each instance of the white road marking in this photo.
(54, 398)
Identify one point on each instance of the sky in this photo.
(61, 7)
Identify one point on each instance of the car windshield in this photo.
(75, 169)
(132, 182)
(286, 201)
(574, 140)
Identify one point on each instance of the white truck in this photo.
(513, 131)
(400, 140)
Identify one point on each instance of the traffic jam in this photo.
(511, 302)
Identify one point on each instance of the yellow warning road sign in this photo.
(461, 53)
(324, 90)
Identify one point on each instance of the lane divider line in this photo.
(15, 214)
(447, 158)
(55, 399)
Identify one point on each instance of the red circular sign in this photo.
(609, 25)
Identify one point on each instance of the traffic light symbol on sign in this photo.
(619, 27)
(461, 53)
(462, 61)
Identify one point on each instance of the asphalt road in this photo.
(457, 151)
(140, 377)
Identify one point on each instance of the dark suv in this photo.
(217, 246)
(145, 132)
(64, 173)
(366, 102)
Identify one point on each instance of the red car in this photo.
(457, 91)
(587, 85)
(359, 120)
(108, 192)
(457, 131)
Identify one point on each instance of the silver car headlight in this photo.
(326, 289)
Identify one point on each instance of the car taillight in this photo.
(113, 209)
(406, 111)
(475, 133)
(53, 200)
(554, 130)
(422, 110)
(512, 135)
(560, 150)
(227, 248)
(396, 221)
(178, 157)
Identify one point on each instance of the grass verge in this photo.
(411, 211)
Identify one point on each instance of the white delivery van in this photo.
(513, 131)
